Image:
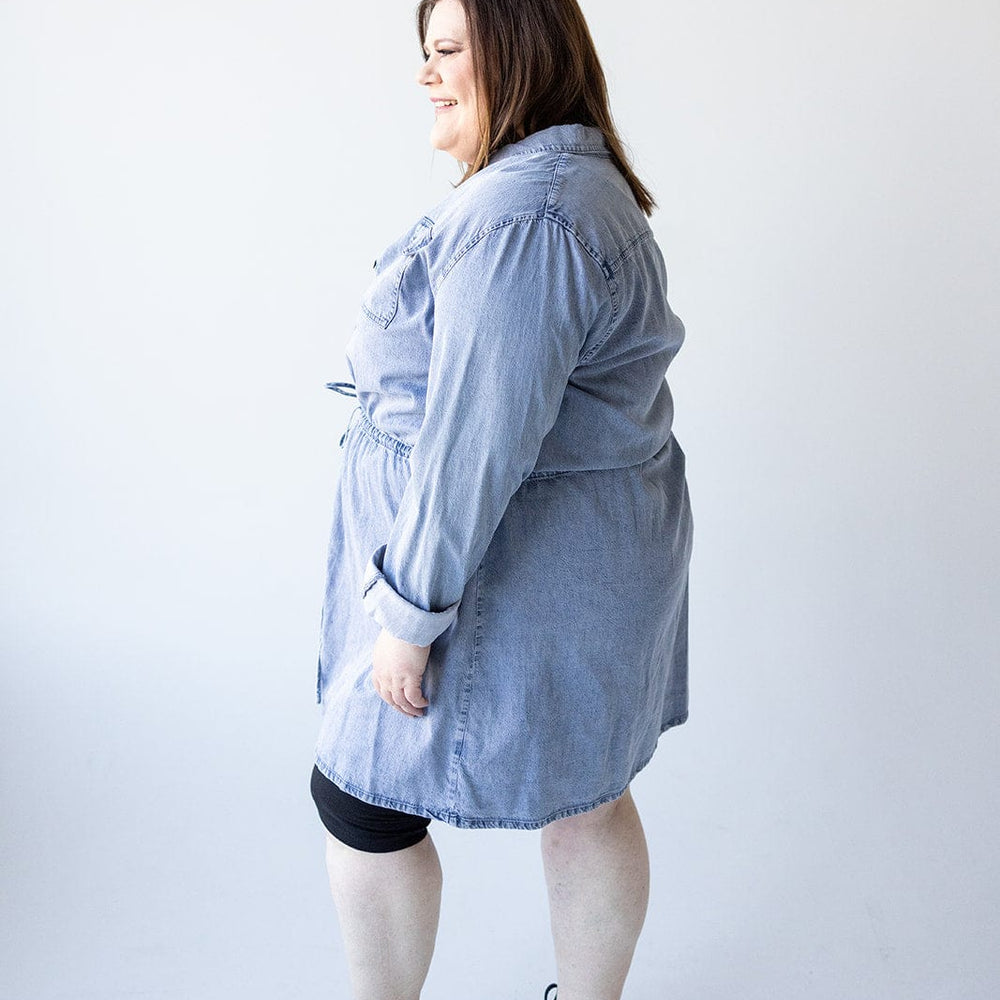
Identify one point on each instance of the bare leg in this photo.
(597, 871)
(388, 907)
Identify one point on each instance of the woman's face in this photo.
(447, 75)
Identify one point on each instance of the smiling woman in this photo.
(449, 73)
(504, 630)
(521, 67)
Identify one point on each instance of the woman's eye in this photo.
(440, 52)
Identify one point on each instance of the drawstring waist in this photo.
(378, 435)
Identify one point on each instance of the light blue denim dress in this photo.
(511, 494)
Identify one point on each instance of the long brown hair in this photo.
(536, 66)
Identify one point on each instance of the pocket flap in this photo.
(421, 235)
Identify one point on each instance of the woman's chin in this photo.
(444, 147)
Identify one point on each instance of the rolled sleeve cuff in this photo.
(397, 615)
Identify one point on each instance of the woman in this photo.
(504, 633)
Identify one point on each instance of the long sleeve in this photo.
(511, 316)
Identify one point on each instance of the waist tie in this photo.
(336, 386)
(343, 388)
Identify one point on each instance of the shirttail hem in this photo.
(455, 819)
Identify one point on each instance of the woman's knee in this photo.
(592, 820)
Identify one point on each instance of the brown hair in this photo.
(536, 66)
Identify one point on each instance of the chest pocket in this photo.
(381, 299)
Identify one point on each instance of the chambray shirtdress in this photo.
(511, 494)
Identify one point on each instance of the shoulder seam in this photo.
(545, 214)
(631, 245)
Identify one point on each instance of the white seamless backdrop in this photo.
(191, 195)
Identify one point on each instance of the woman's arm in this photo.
(511, 316)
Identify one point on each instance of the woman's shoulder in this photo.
(495, 196)
(585, 195)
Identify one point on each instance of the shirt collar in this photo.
(574, 137)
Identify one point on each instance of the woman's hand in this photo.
(398, 667)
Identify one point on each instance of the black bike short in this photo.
(362, 825)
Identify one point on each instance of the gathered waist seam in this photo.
(397, 447)
(379, 436)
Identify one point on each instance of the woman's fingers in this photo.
(402, 700)
(403, 694)
(413, 694)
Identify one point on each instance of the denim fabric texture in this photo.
(511, 494)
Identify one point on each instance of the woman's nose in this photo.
(427, 74)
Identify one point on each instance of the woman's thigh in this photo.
(363, 825)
